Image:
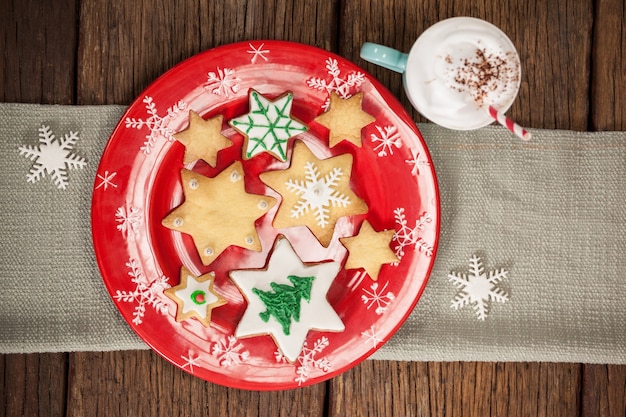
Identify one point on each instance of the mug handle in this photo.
(384, 56)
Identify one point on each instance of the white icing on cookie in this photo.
(286, 277)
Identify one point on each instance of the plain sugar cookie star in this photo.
(218, 212)
(369, 250)
(195, 297)
(268, 126)
(315, 192)
(287, 299)
(344, 119)
(203, 139)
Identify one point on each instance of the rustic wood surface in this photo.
(97, 52)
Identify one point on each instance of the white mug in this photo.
(455, 70)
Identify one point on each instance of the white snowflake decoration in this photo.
(306, 361)
(407, 236)
(128, 220)
(478, 288)
(372, 336)
(106, 180)
(52, 157)
(224, 82)
(376, 297)
(344, 87)
(229, 352)
(387, 139)
(317, 193)
(190, 361)
(146, 292)
(157, 125)
(257, 52)
(416, 162)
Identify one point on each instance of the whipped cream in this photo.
(457, 68)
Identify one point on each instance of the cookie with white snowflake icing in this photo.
(195, 297)
(268, 126)
(218, 212)
(315, 192)
(287, 299)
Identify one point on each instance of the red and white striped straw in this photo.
(509, 124)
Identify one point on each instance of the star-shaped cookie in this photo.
(369, 250)
(218, 212)
(203, 139)
(268, 126)
(315, 193)
(344, 119)
(286, 277)
(195, 297)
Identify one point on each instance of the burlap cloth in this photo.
(552, 212)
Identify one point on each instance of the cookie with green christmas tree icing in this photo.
(268, 125)
(287, 299)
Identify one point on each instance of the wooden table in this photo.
(106, 52)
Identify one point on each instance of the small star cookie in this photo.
(369, 250)
(287, 299)
(268, 126)
(345, 119)
(195, 297)
(218, 212)
(203, 139)
(315, 193)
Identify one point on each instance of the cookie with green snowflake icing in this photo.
(268, 125)
(287, 299)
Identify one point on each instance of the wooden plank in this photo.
(555, 79)
(33, 384)
(381, 388)
(142, 383)
(38, 43)
(604, 391)
(608, 81)
(126, 45)
(438, 389)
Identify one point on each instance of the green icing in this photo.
(283, 302)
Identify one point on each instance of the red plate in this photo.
(138, 183)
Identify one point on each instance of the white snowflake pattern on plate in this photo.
(146, 291)
(190, 361)
(343, 86)
(229, 352)
(106, 180)
(157, 125)
(416, 162)
(372, 336)
(377, 297)
(224, 82)
(407, 236)
(386, 140)
(307, 362)
(257, 52)
(52, 157)
(477, 288)
(128, 219)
